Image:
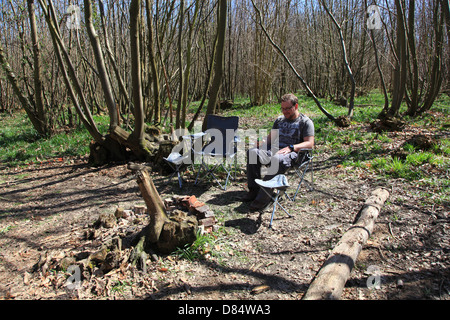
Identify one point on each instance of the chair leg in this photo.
(178, 173)
(302, 177)
(308, 166)
(275, 204)
(210, 171)
(180, 180)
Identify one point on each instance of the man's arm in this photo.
(308, 143)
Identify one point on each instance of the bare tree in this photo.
(319, 105)
(378, 64)
(219, 59)
(400, 71)
(155, 79)
(101, 67)
(345, 60)
(32, 102)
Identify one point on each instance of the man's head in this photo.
(289, 106)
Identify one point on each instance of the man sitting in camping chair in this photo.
(291, 133)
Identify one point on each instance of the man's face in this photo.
(289, 111)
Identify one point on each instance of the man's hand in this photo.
(284, 151)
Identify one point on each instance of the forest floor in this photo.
(48, 209)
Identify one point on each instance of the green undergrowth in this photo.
(20, 144)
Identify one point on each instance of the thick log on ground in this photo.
(330, 281)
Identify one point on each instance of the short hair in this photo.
(290, 97)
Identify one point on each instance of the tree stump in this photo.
(163, 233)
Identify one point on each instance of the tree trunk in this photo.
(400, 72)
(153, 65)
(136, 72)
(162, 233)
(436, 72)
(219, 60)
(446, 11)
(346, 64)
(43, 129)
(101, 66)
(331, 279)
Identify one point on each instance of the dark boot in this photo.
(250, 196)
(262, 201)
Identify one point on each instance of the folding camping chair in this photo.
(301, 166)
(176, 161)
(222, 148)
(280, 184)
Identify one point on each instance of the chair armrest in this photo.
(305, 150)
(195, 136)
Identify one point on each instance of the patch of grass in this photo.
(443, 148)
(417, 159)
(6, 229)
(20, 144)
(203, 245)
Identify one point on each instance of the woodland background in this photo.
(375, 83)
(144, 62)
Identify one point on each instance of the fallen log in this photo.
(330, 281)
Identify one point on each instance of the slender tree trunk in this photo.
(23, 98)
(101, 67)
(219, 60)
(38, 91)
(178, 123)
(346, 64)
(414, 76)
(400, 72)
(136, 71)
(153, 65)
